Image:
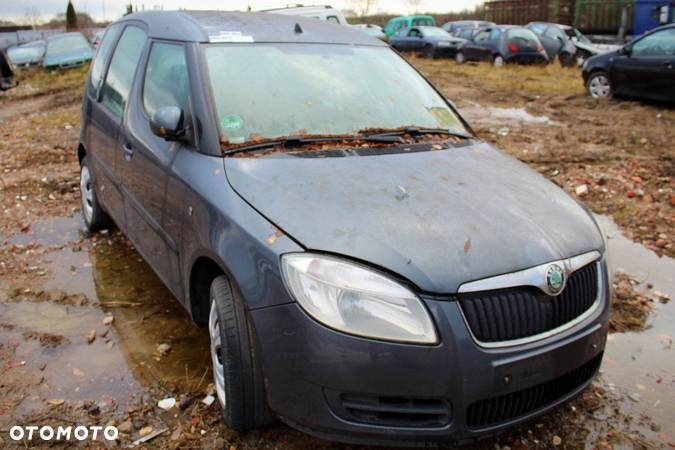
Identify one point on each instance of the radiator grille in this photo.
(526, 311)
(495, 410)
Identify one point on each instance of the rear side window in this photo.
(104, 49)
(122, 68)
(166, 78)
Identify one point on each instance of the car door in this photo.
(552, 41)
(148, 158)
(476, 49)
(415, 40)
(113, 99)
(645, 68)
(99, 131)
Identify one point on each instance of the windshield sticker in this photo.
(230, 36)
(445, 118)
(231, 123)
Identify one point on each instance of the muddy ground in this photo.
(89, 335)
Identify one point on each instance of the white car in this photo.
(322, 12)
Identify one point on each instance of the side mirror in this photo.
(167, 123)
(626, 50)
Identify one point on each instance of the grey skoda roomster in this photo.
(368, 269)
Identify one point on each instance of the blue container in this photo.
(648, 15)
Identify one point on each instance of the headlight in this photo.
(356, 300)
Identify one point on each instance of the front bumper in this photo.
(362, 391)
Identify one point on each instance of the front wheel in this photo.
(598, 85)
(236, 372)
(498, 61)
(460, 58)
(95, 218)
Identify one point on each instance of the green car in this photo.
(398, 23)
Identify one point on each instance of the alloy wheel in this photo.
(86, 193)
(217, 354)
(599, 86)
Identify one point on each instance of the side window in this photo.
(102, 55)
(122, 68)
(661, 43)
(495, 33)
(483, 36)
(166, 78)
(414, 33)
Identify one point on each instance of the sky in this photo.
(17, 10)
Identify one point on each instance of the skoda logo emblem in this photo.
(555, 278)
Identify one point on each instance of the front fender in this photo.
(227, 230)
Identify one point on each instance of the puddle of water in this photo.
(55, 231)
(643, 362)
(506, 116)
(117, 365)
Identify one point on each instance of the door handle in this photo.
(668, 65)
(128, 152)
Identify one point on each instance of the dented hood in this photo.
(436, 218)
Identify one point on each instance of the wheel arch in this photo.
(203, 270)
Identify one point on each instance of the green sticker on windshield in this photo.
(445, 118)
(231, 123)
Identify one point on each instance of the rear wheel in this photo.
(598, 85)
(236, 372)
(460, 58)
(498, 61)
(95, 218)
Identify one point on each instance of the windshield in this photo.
(522, 33)
(574, 33)
(67, 43)
(435, 32)
(264, 91)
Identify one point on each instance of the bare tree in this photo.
(413, 5)
(364, 8)
(32, 16)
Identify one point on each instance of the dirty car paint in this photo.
(513, 217)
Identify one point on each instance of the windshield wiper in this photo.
(297, 141)
(416, 131)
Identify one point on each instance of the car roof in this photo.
(221, 26)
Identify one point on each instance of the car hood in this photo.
(437, 218)
(68, 57)
(597, 49)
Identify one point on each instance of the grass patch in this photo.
(35, 82)
(548, 80)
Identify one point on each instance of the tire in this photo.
(427, 52)
(567, 60)
(236, 371)
(95, 218)
(498, 61)
(460, 58)
(598, 85)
